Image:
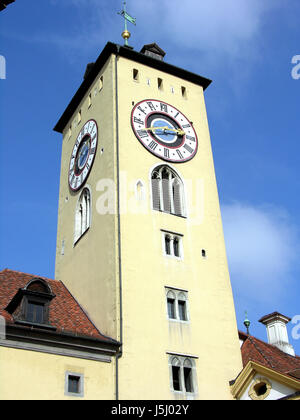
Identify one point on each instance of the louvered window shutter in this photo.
(166, 191)
(155, 192)
(177, 197)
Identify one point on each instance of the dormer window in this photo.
(30, 306)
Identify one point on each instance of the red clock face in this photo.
(83, 154)
(164, 131)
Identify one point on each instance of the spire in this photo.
(126, 34)
(247, 323)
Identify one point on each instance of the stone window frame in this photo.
(179, 295)
(173, 236)
(183, 361)
(79, 394)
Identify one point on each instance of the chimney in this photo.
(277, 331)
(154, 51)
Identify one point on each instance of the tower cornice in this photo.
(130, 54)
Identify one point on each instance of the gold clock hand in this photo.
(176, 130)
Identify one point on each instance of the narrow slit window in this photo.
(176, 247)
(135, 74)
(183, 91)
(159, 83)
(171, 308)
(90, 100)
(168, 245)
(100, 83)
(176, 378)
(188, 383)
(182, 310)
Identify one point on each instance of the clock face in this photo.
(164, 130)
(83, 154)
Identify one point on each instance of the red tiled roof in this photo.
(65, 313)
(258, 351)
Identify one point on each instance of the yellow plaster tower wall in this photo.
(211, 335)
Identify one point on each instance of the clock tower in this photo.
(140, 242)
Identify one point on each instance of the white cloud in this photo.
(215, 26)
(262, 247)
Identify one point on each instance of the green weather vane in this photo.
(126, 34)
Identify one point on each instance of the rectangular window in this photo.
(159, 83)
(171, 308)
(183, 91)
(188, 382)
(176, 378)
(35, 312)
(90, 100)
(74, 385)
(182, 310)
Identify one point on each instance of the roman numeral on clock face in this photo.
(179, 154)
(188, 148)
(166, 153)
(152, 145)
(151, 106)
(138, 120)
(142, 133)
(164, 107)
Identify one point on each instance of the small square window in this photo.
(74, 384)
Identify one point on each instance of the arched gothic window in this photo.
(83, 214)
(167, 191)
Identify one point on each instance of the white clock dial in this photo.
(83, 154)
(164, 131)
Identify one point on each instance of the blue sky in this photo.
(245, 46)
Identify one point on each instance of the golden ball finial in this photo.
(126, 34)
